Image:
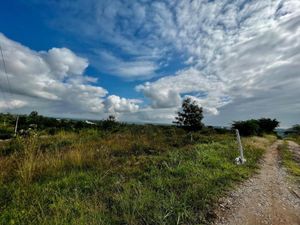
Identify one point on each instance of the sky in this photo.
(138, 59)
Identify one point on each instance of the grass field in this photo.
(135, 176)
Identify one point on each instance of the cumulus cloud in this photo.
(167, 92)
(53, 82)
(116, 104)
(64, 62)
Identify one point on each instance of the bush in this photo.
(5, 133)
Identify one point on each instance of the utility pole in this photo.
(16, 126)
(240, 159)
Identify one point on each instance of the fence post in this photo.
(240, 159)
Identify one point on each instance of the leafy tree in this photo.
(246, 128)
(110, 123)
(111, 118)
(190, 116)
(294, 130)
(33, 114)
(267, 125)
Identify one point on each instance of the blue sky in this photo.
(139, 59)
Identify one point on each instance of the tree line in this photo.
(189, 118)
(191, 114)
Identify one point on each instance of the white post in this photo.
(16, 126)
(240, 159)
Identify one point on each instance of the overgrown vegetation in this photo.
(126, 175)
(58, 171)
(293, 133)
(290, 160)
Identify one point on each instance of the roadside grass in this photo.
(295, 138)
(289, 161)
(129, 177)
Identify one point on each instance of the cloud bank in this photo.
(237, 59)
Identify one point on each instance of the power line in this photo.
(1, 88)
(5, 71)
(9, 88)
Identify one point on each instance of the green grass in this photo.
(295, 138)
(143, 177)
(289, 161)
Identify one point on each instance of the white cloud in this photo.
(52, 82)
(139, 68)
(64, 62)
(116, 104)
(14, 104)
(167, 91)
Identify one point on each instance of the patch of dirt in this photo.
(266, 198)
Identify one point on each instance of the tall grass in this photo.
(290, 162)
(147, 176)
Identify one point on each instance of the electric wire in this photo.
(6, 103)
(9, 86)
(5, 71)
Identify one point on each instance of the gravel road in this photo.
(267, 198)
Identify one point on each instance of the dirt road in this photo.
(267, 198)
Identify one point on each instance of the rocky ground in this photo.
(267, 198)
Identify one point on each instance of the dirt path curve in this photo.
(264, 199)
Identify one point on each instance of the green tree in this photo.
(295, 130)
(246, 128)
(267, 125)
(255, 127)
(190, 116)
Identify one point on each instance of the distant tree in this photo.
(110, 123)
(111, 118)
(255, 127)
(293, 130)
(33, 114)
(33, 118)
(246, 128)
(190, 116)
(267, 125)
